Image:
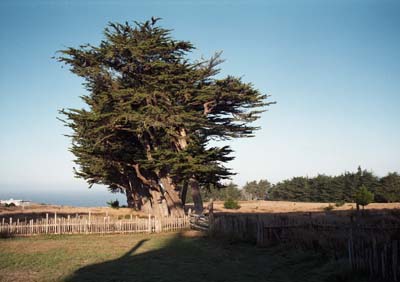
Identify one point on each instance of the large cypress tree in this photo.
(150, 115)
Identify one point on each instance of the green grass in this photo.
(159, 257)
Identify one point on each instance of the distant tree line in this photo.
(322, 188)
(325, 188)
(253, 190)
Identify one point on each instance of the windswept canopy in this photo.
(152, 112)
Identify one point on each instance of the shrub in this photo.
(113, 204)
(10, 205)
(340, 203)
(363, 196)
(329, 208)
(231, 204)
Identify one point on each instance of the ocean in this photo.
(97, 196)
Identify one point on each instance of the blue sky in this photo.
(332, 66)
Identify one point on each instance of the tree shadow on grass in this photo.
(203, 259)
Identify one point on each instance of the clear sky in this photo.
(332, 66)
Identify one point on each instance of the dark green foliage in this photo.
(10, 205)
(254, 190)
(363, 197)
(231, 204)
(340, 203)
(339, 189)
(296, 188)
(230, 191)
(113, 204)
(151, 112)
(389, 188)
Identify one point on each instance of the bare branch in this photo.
(208, 107)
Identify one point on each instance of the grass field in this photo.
(39, 211)
(175, 257)
(288, 207)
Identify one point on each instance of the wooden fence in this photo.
(370, 248)
(91, 225)
(199, 222)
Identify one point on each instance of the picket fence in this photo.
(53, 224)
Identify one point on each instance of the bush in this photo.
(231, 204)
(363, 196)
(329, 208)
(340, 203)
(10, 205)
(113, 204)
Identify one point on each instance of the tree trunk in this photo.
(183, 193)
(194, 185)
(198, 202)
(155, 204)
(161, 202)
(130, 199)
(133, 194)
(172, 198)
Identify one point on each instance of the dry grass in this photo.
(287, 207)
(39, 211)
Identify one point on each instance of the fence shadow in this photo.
(198, 259)
(195, 259)
(156, 265)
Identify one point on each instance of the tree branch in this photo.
(208, 107)
(142, 177)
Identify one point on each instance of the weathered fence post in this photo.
(394, 259)
(149, 222)
(55, 223)
(350, 248)
(211, 217)
(47, 223)
(260, 231)
(10, 226)
(190, 217)
(90, 222)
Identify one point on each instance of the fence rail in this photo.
(91, 225)
(199, 222)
